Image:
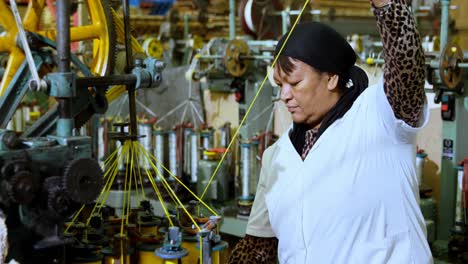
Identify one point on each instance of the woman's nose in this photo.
(286, 93)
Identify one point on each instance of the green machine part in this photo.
(455, 145)
(454, 149)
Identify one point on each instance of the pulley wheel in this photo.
(234, 58)
(450, 73)
(153, 48)
(257, 18)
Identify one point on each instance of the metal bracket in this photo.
(148, 75)
(62, 84)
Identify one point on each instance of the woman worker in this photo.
(340, 186)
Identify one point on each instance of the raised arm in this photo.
(404, 72)
(252, 249)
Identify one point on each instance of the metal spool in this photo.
(146, 130)
(206, 137)
(194, 157)
(172, 137)
(450, 73)
(159, 152)
(187, 154)
(219, 187)
(245, 156)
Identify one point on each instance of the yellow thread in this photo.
(102, 193)
(114, 172)
(253, 101)
(125, 194)
(201, 250)
(175, 196)
(74, 218)
(181, 183)
(141, 181)
(111, 157)
(155, 187)
(135, 156)
(129, 193)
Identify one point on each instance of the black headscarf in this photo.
(324, 49)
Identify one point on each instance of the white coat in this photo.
(354, 199)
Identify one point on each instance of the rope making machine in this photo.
(141, 186)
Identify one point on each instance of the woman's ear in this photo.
(332, 83)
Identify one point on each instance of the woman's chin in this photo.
(298, 118)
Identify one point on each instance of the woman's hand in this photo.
(380, 3)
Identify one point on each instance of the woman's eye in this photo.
(295, 83)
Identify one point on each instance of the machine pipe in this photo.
(444, 27)
(242, 57)
(126, 79)
(232, 19)
(65, 123)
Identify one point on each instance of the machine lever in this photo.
(36, 84)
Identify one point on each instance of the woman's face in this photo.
(307, 93)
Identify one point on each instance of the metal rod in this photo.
(232, 19)
(128, 66)
(128, 37)
(126, 79)
(206, 254)
(132, 110)
(249, 57)
(63, 50)
(444, 27)
(38, 84)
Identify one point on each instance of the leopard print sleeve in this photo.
(404, 72)
(252, 249)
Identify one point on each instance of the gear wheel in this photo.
(59, 202)
(83, 180)
(51, 182)
(22, 187)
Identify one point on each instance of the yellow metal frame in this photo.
(97, 30)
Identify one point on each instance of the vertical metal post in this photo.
(128, 66)
(65, 122)
(454, 134)
(232, 19)
(444, 27)
(284, 20)
(186, 26)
